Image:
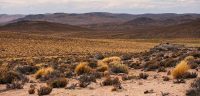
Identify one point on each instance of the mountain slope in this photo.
(4, 18)
(102, 17)
(35, 26)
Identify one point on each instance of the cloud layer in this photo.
(82, 6)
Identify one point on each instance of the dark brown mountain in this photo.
(141, 21)
(4, 18)
(103, 18)
(38, 26)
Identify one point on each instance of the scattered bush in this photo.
(83, 68)
(189, 58)
(119, 68)
(15, 85)
(165, 78)
(98, 56)
(128, 77)
(44, 72)
(111, 59)
(58, 83)
(92, 63)
(195, 88)
(26, 69)
(102, 66)
(9, 76)
(125, 57)
(31, 91)
(85, 80)
(188, 75)
(45, 90)
(180, 69)
(68, 73)
(111, 81)
(143, 76)
(161, 69)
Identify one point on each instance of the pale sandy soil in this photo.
(131, 88)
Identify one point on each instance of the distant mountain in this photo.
(38, 26)
(141, 21)
(4, 18)
(79, 19)
(102, 17)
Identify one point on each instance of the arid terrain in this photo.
(109, 55)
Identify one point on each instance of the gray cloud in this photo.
(81, 6)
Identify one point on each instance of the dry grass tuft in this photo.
(102, 67)
(111, 59)
(119, 68)
(180, 69)
(83, 68)
(44, 72)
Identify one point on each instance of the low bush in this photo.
(83, 68)
(44, 72)
(111, 59)
(102, 67)
(143, 76)
(58, 83)
(128, 77)
(195, 88)
(15, 85)
(85, 80)
(26, 69)
(9, 76)
(111, 81)
(45, 90)
(165, 78)
(31, 91)
(119, 68)
(189, 75)
(180, 69)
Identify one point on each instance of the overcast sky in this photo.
(83, 6)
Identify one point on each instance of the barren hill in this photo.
(34, 26)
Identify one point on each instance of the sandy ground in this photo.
(130, 88)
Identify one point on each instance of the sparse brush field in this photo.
(56, 66)
(10, 47)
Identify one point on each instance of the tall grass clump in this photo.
(83, 68)
(111, 59)
(102, 67)
(44, 72)
(180, 69)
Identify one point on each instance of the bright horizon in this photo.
(111, 6)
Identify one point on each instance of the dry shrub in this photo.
(119, 68)
(111, 81)
(85, 80)
(44, 72)
(102, 67)
(188, 75)
(189, 58)
(58, 83)
(195, 88)
(7, 76)
(111, 59)
(45, 90)
(128, 77)
(180, 69)
(26, 69)
(83, 68)
(31, 91)
(15, 85)
(143, 75)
